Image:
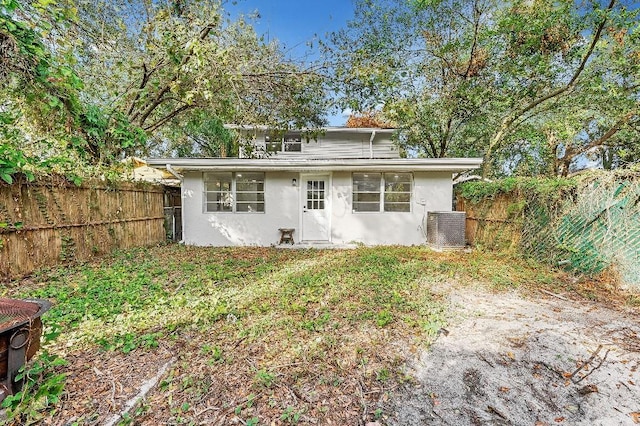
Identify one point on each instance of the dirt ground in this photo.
(509, 360)
(504, 359)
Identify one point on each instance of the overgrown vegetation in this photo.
(250, 327)
(588, 224)
(537, 88)
(534, 187)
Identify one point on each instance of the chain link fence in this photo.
(588, 227)
(598, 228)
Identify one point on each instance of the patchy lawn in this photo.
(253, 335)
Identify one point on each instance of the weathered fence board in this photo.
(493, 223)
(52, 221)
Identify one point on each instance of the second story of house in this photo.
(330, 142)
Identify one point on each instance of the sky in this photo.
(295, 23)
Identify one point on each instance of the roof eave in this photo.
(301, 165)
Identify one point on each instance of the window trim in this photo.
(234, 193)
(382, 192)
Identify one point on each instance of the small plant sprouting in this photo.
(290, 416)
(264, 378)
(383, 375)
(384, 318)
(377, 414)
(214, 351)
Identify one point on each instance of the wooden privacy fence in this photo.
(494, 223)
(53, 221)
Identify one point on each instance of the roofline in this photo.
(311, 165)
(329, 129)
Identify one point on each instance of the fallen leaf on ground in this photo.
(635, 416)
(559, 419)
(587, 389)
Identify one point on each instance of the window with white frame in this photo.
(241, 192)
(288, 143)
(382, 192)
(292, 143)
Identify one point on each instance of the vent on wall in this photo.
(445, 230)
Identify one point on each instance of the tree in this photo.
(548, 44)
(477, 77)
(201, 135)
(424, 64)
(177, 62)
(88, 83)
(39, 93)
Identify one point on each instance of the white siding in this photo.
(431, 191)
(340, 145)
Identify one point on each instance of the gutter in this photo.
(303, 165)
(373, 135)
(174, 172)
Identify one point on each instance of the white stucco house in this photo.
(347, 186)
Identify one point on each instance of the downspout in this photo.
(373, 135)
(181, 179)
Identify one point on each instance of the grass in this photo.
(261, 334)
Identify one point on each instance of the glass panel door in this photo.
(315, 195)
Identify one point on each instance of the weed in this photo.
(383, 375)
(384, 318)
(290, 416)
(250, 400)
(264, 378)
(377, 414)
(42, 389)
(633, 300)
(126, 420)
(150, 340)
(318, 309)
(214, 351)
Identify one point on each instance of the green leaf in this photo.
(9, 5)
(7, 178)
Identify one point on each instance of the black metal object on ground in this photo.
(20, 332)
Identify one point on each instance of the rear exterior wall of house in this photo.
(284, 207)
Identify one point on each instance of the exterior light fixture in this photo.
(294, 182)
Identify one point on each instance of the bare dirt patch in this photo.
(100, 383)
(509, 360)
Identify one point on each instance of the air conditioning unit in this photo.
(445, 230)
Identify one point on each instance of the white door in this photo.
(315, 208)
